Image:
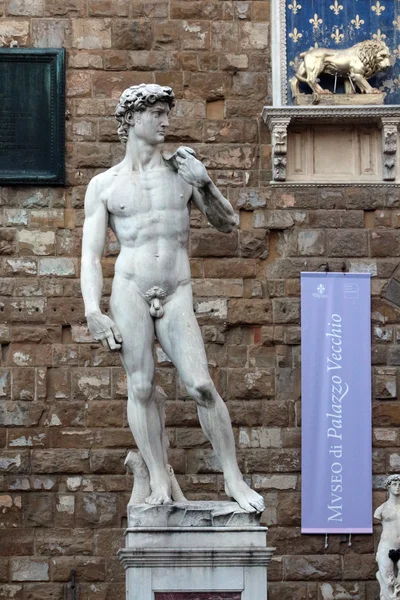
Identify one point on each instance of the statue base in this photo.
(339, 99)
(195, 551)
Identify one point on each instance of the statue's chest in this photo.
(146, 193)
(391, 514)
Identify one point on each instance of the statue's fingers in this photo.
(104, 343)
(184, 151)
(189, 150)
(116, 333)
(112, 343)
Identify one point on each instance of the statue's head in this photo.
(392, 484)
(144, 98)
(383, 57)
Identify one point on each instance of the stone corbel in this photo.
(279, 147)
(389, 148)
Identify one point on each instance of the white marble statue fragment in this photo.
(146, 201)
(388, 553)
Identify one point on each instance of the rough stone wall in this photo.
(64, 486)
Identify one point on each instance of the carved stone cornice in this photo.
(336, 184)
(332, 114)
(279, 119)
(200, 557)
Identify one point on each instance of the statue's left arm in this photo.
(205, 194)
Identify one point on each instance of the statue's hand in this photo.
(104, 330)
(190, 169)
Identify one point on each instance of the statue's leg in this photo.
(180, 337)
(130, 313)
(386, 575)
(363, 85)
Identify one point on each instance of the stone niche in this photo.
(334, 144)
(345, 137)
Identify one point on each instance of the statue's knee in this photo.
(141, 391)
(203, 391)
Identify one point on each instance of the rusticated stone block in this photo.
(385, 243)
(286, 310)
(204, 243)
(291, 591)
(107, 461)
(29, 569)
(347, 243)
(60, 461)
(91, 33)
(386, 414)
(250, 312)
(51, 33)
(312, 568)
(253, 244)
(354, 568)
(385, 384)
(10, 591)
(69, 542)
(97, 510)
(87, 568)
(334, 591)
(12, 31)
(131, 35)
(38, 510)
(108, 8)
(251, 383)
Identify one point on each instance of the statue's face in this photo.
(394, 487)
(384, 60)
(151, 124)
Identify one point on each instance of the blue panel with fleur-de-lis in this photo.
(341, 24)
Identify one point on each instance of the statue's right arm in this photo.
(101, 327)
(378, 512)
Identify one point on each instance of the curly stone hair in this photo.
(368, 52)
(138, 98)
(390, 479)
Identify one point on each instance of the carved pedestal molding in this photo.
(195, 547)
(279, 147)
(386, 118)
(389, 142)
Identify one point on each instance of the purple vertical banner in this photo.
(336, 403)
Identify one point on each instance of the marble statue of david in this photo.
(146, 201)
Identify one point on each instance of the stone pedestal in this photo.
(195, 551)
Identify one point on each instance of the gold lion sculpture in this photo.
(357, 64)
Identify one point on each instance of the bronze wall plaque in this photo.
(32, 116)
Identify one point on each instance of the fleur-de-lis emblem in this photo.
(295, 63)
(295, 36)
(336, 7)
(357, 22)
(397, 23)
(397, 51)
(379, 36)
(378, 8)
(316, 22)
(294, 7)
(337, 36)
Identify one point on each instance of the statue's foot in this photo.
(158, 497)
(247, 498)
(160, 493)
